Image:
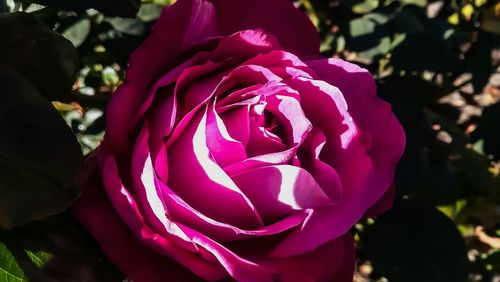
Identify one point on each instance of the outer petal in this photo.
(174, 243)
(333, 261)
(383, 204)
(372, 115)
(138, 262)
(277, 17)
(181, 25)
(345, 151)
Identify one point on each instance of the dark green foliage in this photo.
(39, 155)
(121, 8)
(415, 243)
(44, 57)
(54, 249)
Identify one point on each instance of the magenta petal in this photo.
(99, 216)
(197, 84)
(281, 157)
(147, 194)
(279, 190)
(182, 212)
(296, 33)
(263, 142)
(239, 268)
(227, 102)
(129, 211)
(184, 23)
(370, 113)
(249, 75)
(161, 120)
(291, 116)
(283, 64)
(324, 174)
(383, 204)
(345, 271)
(223, 147)
(237, 122)
(202, 183)
(245, 44)
(345, 151)
(333, 261)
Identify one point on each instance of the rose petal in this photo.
(281, 157)
(224, 149)
(202, 183)
(237, 122)
(324, 174)
(247, 75)
(290, 115)
(184, 23)
(182, 212)
(97, 215)
(245, 44)
(345, 151)
(161, 119)
(279, 190)
(129, 211)
(283, 64)
(195, 85)
(370, 114)
(334, 261)
(236, 15)
(384, 203)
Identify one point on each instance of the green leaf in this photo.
(39, 155)
(9, 269)
(149, 12)
(78, 32)
(45, 58)
(367, 24)
(127, 26)
(421, 3)
(110, 76)
(415, 243)
(369, 35)
(361, 6)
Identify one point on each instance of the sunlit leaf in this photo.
(9, 269)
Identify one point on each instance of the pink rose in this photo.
(234, 151)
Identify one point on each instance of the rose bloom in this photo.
(235, 152)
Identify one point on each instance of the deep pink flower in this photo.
(234, 151)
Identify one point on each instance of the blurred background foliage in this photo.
(436, 61)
